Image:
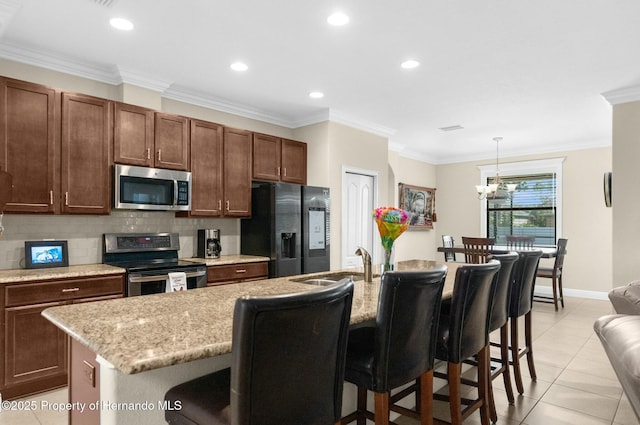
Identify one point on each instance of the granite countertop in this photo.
(143, 333)
(27, 275)
(228, 259)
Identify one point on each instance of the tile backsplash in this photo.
(84, 233)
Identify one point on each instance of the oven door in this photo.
(155, 282)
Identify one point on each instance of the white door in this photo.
(359, 191)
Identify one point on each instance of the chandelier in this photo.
(498, 189)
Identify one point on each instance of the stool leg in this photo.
(362, 406)
(381, 408)
(555, 294)
(560, 288)
(455, 401)
(426, 398)
(515, 359)
(529, 344)
(504, 354)
(484, 384)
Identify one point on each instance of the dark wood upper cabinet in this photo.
(171, 141)
(237, 173)
(29, 145)
(148, 138)
(294, 162)
(206, 169)
(266, 157)
(133, 135)
(85, 148)
(277, 159)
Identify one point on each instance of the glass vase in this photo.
(387, 265)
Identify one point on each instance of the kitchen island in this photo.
(145, 345)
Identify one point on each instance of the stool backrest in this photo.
(524, 278)
(288, 357)
(504, 282)
(470, 310)
(477, 250)
(520, 242)
(561, 251)
(406, 325)
(448, 242)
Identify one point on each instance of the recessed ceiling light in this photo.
(239, 66)
(410, 64)
(338, 19)
(316, 95)
(121, 24)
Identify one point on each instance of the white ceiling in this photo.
(532, 72)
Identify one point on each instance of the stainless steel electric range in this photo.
(148, 259)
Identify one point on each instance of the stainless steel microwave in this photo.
(142, 188)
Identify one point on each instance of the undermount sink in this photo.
(331, 278)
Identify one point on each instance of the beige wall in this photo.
(413, 244)
(625, 193)
(586, 221)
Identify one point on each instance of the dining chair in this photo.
(555, 274)
(287, 364)
(399, 348)
(477, 250)
(463, 332)
(520, 304)
(447, 242)
(520, 242)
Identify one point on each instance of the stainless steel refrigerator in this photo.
(290, 225)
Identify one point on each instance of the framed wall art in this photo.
(419, 203)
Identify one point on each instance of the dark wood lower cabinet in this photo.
(234, 273)
(84, 384)
(35, 351)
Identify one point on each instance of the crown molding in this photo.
(623, 95)
(368, 126)
(200, 99)
(59, 63)
(138, 79)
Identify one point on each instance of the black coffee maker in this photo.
(209, 243)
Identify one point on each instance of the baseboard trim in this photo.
(567, 292)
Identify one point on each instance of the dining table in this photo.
(547, 251)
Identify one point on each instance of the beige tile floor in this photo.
(576, 384)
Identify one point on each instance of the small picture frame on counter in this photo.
(45, 254)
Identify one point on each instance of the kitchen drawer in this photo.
(237, 272)
(60, 290)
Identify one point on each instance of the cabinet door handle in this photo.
(70, 290)
(285, 171)
(159, 154)
(51, 197)
(278, 170)
(227, 205)
(66, 198)
(219, 204)
(241, 271)
(148, 153)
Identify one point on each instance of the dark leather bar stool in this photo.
(287, 364)
(500, 321)
(399, 348)
(524, 278)
(464, 333)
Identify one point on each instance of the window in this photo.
(533, 209)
